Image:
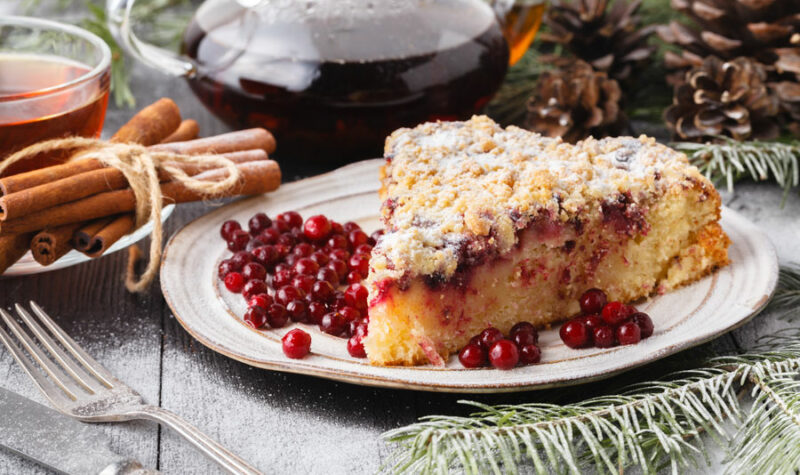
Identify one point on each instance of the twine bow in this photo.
(140, 167)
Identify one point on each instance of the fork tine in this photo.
(95, 368)
(66, 362)
(49, 389)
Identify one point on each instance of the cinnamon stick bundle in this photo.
(83, 236)
(12, 248)
(248, 139)
(109, 234)
(257, 177)
(51, 244)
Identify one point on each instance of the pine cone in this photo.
(723, 98)
(766, 30)
(611, 40)
(575, 102)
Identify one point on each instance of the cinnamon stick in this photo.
(12, 248)
(109, 234)
(188, 130)
(257, 177)
(51, 244)
(87, 231)
(248, 139)
(147, 127)
(37, 198)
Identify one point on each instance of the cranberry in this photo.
(317, 227)
(354, 277)
(255, 316)
(329, 275)
(476, 340)
(258, 223)
(282, 250)
(316, 310)
(360, 263)
(290, 261)
(265, 255)
(296, 343)
(332, 323)
(276, 315)
(472, 356)
(297, 311)
(593, 301)
(238, 240)
(356, 238)
(339, 301)
(234, 282)
(252, 244)
(336, 228)
(254, 270)
(320, 258)
(322, 291)
(592, 321)
(363, 249)
(225, 268)
(503, 354)
(350, 226)
(339, 266)
(524, 327)
(287, 240)
(615, 313)
(254, 287)
(350, 314)
(282, 278)
(340, 254)
(261, 300)
(298, 235)
(355, 346)
(304, 283)
(337, 241)
(523, 338)
(240, 258)
(356, 296)
(302, 249)
(269, 236)
(489, 337)
(645, 323)
(574, 334)
(287, 293)
(360, 328)
(530, 354)
(291, 219)
(228, 227)
(629, 333)
(376, 236)
(306, 266)
(603, 336)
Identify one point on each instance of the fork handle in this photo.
(211, 448)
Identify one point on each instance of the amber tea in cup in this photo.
(54, 82)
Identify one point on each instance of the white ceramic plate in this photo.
(683, 318)
(27, 265)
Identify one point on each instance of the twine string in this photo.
(140, 166)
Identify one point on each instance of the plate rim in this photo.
(297, 366)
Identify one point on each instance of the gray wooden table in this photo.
(282, 423)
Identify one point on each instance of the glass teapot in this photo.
(331, 78)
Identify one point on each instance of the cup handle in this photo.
(119, 22)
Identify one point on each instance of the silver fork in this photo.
(80, 387)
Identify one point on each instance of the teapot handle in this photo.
(119, 22)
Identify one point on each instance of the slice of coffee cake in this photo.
(488, 226)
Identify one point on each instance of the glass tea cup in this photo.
(54, 82)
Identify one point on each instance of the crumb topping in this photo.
(447, 185)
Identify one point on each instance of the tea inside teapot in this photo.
(331, 78)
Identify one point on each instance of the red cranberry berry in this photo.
(228, 227)
(350, 314)
(337, 241)
(574, 334)
(287, 293)
(645, 323)
(525, 327)
(363, 249)
(320, 258)
(260, 300)
(317, 227)
(254, 270)
(615, 313)
(258, 223)
(340, 254)
(302, 249)
(523, 338)
(329, 275)
(339, 266)
(225, 268)
(592, 321)
(240, 258)
(291, 219)
(339, 301)
(472, 356)
(489, 337)
(322, 291)
(360, 264)
(476, 340)
(358, 327)
(238, 240)
(255, 316)
(629, 333)
(336, 228)
(269, 236)
(350, 226)
(354, 277)
(253, 244)
(356, 238)
(287, 240)
(296, 343)
(277, 316)
(304, 283)
(316, 310)
(265, 255)
(254, 287)
(356, 296)
(282, 278)
(234, 282)
(529, 354)
(375, 236)
(332, 323)
(603, 336)
(593, 301)
(503, 354)
(355, 346)
(297, 311)
(290, 261)
(306, 266)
